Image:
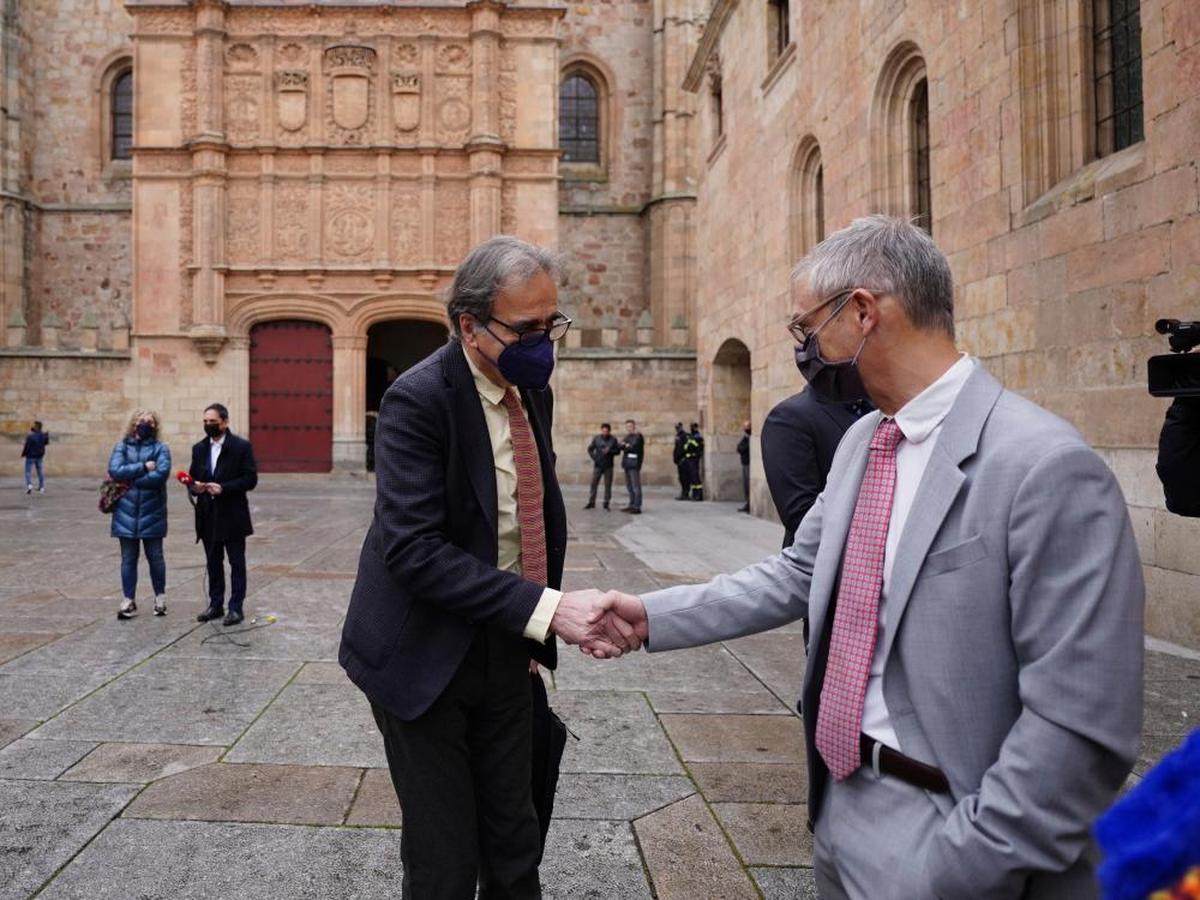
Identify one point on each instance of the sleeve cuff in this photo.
(538, 628)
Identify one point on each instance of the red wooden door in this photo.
(291, 396)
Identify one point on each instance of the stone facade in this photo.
(1063, 258)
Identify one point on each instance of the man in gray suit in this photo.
(973, 696)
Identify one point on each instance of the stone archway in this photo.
(729, 405)
(392, 347)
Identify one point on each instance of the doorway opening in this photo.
(393, 347)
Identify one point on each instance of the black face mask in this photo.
(839, 382)
(212, 429)
(145, 430)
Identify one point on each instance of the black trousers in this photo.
(214, 554)
(597, 474)
(685, 480)
(462, 774)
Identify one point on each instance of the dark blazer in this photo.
(633, 450)
(35, 444)
(799, 439)
(226, 517)
(427, 576)
(1179, 457)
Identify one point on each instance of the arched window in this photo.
(922, 192)
(808, 199)
(1117, 74)
(901, 138)
(779, 33)
(122, 116)
(579, 119)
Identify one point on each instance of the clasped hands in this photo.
(603, 624)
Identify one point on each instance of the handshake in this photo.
(603, 624)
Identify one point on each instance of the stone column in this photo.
(12, 177)
(484, 148)
(208, 184)
(349, 402)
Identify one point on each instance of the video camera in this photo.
(1176, 374)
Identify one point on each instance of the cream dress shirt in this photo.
(920, 419)
(508, 529)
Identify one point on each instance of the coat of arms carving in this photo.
(291, 99)
(349, 69)
(406, 100)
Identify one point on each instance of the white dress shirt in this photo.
(214, 452)
(508, 528)
(920, 420)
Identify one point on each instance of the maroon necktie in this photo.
(856, 619)
(529, 491)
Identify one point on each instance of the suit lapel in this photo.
(939, 488)
(475, 444)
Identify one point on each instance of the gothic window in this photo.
(922, 200)
(579, 119)
(1117, 74)
(718, 106)
(778, 28)
(121, 107)
(901, 138)
(808, 198)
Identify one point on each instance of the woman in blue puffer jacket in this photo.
(143, 461)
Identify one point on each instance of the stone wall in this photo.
(592, 386)
(1062, 261)
(604, 262)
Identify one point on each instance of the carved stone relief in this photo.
(452, 228)
(242, 222)
(242, 108)
(453, 58)
(241, 57)
(506, 87)
(349, 221)
(350, 99)
(406, 226)
(406, 102)
(291, 99)
(291, 220)
(453, 108)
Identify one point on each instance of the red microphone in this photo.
(183, 477)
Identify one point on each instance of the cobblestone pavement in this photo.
(159, 758)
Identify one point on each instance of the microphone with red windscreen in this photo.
(183, 477)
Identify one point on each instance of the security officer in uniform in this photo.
(681, 467)
(693, 452)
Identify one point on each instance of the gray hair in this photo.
(497, 264)
(886, 255)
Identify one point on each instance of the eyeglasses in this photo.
(530, 337)
(800, 331)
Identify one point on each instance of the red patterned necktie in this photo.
(529, 491)
(856, 619)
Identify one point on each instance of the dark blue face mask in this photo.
(523, 365)
(145, 430)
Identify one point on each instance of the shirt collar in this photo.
(923, 413)
(488, 389)
(218, 441)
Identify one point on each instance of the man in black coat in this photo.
(743, 451)
(458, 576)
(1179, 456)
(679, 458)
(633, 453)
(223, 471)
(602, 450)
(799, 439)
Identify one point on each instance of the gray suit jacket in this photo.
(1014, 649)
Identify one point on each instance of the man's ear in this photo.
(866, 310)
(466, 325)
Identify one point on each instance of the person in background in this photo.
(223, 471)
(693, 453)
(34, 452)
(681, 467)
(799, 439)
(1179, 457)
(140, 517)
(602, 449)
(633, 449)
(743, 449)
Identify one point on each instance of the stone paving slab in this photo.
(314, 725)
(786, 883)
(757, 702)
(45, 823)
(41, 696)
(26, 758)
(225, 792)
(11, 729)
(611, 796)
(701, 670)
(751, 782)
(688, 856)
(284, 639)
(175, 701)
(777, 659)
(768, 834)
(617, 733)
(375, 803)
(135, 858)
(321, 673)
(139, 763)
(760, 739)
(14, 644)
(590, 860)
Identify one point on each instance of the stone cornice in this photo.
(717, 17)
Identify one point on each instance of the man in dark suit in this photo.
(457, 581)
(223, 471)
(633, 454)
(799, 439)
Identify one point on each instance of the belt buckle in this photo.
(876, 750)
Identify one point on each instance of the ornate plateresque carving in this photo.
(242, 107)
(291, 99)
(406, 101)
(349, 221)
(348, 69)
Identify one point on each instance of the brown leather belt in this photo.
(883, 759)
